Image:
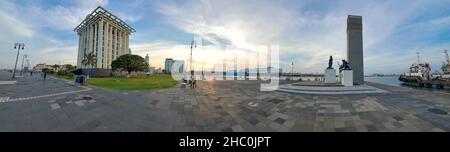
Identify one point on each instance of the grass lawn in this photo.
(67, 77)
(134, 83)
(71, 78)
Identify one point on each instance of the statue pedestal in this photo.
(347, 77)
(330, 76)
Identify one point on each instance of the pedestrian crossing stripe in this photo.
(4, 99)
(7, 99)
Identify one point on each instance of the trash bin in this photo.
(80, 79)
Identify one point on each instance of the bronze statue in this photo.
(330, 63)
(344, 66)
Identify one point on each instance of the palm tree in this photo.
(90, 60)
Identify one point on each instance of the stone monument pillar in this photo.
(347, 78)
(355, 48)
(330, 76)
(346, 74)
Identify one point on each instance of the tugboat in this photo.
(420, 74)
(416, 72)
(414, 75)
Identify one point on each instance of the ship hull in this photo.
(410, 79)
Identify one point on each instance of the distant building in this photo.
(168, 65)
(159, 70)
(150, 69)
(104, 34)
(41, 66)
(179, 64)
(65, 67)
(54, 67)
(171, 62)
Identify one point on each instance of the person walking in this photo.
(194, 83)
(45, 75)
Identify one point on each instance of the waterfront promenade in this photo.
(56, 105)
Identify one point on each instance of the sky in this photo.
(306, 32)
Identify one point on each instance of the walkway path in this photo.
(216, 106)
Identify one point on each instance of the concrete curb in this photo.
(323, 90)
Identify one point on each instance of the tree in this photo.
(69, 67)
(89, 60)
(55, 67)
(129, 62)
(46, 70)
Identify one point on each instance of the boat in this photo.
(416, 72)
(414, 75)
(445, 74)
(419, 74)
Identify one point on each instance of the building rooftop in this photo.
(101, 12)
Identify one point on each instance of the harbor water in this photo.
(393, 81)
(387, 80)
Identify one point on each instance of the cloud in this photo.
(307, 31)
(57, 55)
(128, 17)
(40, 28)
(160, 50)
(11, 26)
(203, 56)
(247, 25)
(66, 17)
(237, 22)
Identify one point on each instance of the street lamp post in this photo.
(18, 46)
(193, 44)
(23, 59)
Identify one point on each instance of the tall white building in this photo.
(104, 34)
(147, 59)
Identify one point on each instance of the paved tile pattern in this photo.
(229, 106)
(33, 86)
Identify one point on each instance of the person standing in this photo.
(194, 83)
(45, 75)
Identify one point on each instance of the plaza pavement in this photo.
(6, 78)
(55, 105)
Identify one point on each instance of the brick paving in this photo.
(218, 106)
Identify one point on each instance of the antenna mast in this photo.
(292, 67)
(418, 58)
(446, 56)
